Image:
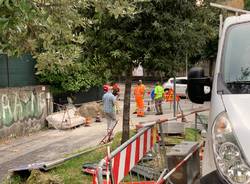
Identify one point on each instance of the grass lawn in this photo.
(190, 135)
(71, 173)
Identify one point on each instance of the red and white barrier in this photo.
(125, 160)
(125, 157)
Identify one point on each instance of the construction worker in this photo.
(116, 93)
(139, 92)
(116, 89)
(109, 109)
(105, 88)
(158, 97)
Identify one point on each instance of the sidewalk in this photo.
(50, 145)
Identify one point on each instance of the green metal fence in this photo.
(17, 71)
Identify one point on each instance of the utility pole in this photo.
(186, 64)
(174, 101)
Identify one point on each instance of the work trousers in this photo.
(158, 106)
(140, 105)
(117, 107)
(111, 120)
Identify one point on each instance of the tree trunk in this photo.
(126, 106)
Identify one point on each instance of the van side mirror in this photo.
(199, 86)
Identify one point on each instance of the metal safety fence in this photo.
(121, 161)
(135, 155)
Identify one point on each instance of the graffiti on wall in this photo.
(20, 106)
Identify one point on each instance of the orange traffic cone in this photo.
(98, 118)
(88, 121)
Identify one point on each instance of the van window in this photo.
(236, 59)
(181, 81)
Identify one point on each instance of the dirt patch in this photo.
(235, 3)
(90, 109)
(40, 178)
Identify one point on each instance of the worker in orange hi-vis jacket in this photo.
(139, 92)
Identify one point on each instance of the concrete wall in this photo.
(22, 110)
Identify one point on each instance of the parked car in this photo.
(227, 148)
(181, 86)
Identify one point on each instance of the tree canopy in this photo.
(247, 4)
(61, 33)
(158, 36)
(49, 30)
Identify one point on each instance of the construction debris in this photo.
(65, 119)
(90, 109)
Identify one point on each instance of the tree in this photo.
(46, 30)
(158, 36)
(247, 4)
(49, 30)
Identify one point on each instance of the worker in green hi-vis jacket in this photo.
(159, 94)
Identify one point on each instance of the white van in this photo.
(227, 148)
(181, 85)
